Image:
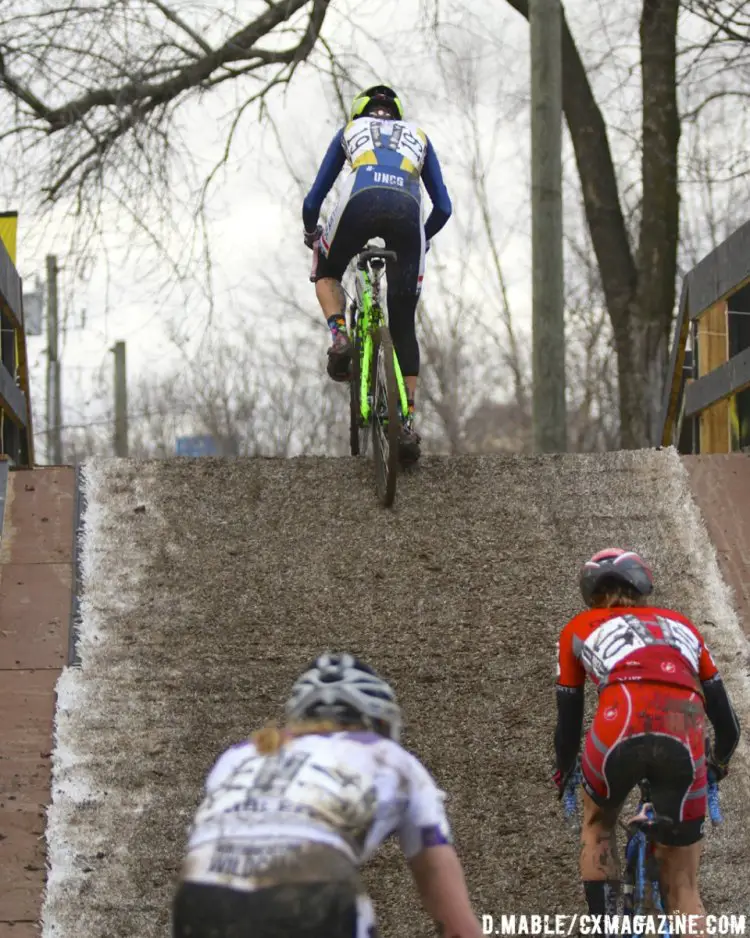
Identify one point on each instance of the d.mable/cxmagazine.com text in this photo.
(576, 924)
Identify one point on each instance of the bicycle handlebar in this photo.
(569, 792)
(714, 808)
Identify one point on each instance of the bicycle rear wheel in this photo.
(385, 417)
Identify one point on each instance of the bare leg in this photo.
(678, 874)
(330, 296)
(600, 872)
(598, 847)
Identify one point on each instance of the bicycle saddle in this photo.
(369, 253)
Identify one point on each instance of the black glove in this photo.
(716, 770)
(312, 236)
(562, 781)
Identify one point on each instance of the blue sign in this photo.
(196, 446)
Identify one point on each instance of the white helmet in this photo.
(342, 688)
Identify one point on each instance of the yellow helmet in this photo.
(378, 94)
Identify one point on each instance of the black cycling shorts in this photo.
(296, 910)
(666, 763)
(394, 216)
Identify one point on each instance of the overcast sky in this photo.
(254, 221)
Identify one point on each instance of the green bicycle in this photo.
(377, 393)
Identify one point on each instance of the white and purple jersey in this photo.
(347, 790)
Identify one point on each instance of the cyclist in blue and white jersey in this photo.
(290, 815)
(380, 198)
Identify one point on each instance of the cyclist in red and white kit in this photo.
(656, 682)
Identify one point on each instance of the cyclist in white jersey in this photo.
(289, 816)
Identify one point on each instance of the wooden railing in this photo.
(704, 408)
(16, 436)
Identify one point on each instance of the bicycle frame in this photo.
(638, 850)
(369, 318)
(639, 845)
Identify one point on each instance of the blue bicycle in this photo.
(640, 882)
(641, 894)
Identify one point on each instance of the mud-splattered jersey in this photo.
(350, 790)
(633, 644)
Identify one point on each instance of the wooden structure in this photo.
(706, 406)
(37, 571)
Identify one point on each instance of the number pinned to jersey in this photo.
(365, 137)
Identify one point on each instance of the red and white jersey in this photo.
(638, 643)
(349, 790)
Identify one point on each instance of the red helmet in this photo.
(612, 567)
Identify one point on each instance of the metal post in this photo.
(548, 329)
(121, 402)
(54, 395)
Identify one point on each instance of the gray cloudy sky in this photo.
(254, 210)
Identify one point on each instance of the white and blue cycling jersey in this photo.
(347, 790)
(391, 154)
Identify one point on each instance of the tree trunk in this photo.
(639, 290)
(641, 347)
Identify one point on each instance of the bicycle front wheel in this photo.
(385, 417)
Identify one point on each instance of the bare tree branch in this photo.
(239, 47)
(178, 21)
(121, 67)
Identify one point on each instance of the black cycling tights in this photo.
(402, 309)
(395, 217)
